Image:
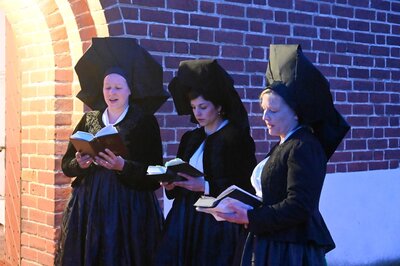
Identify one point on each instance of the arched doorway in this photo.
(2, 116)
(43, 42)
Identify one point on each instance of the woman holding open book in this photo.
(288, 228)
(113, 216)
(222, 148)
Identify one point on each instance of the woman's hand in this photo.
(168, 185)
(109, 160)
(84, 161)
(192, 183)
(238, 212)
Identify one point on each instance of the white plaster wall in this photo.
(362, 212)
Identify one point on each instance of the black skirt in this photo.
(106, 223)
(263, 251)
(193, 238)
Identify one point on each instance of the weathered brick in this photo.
(283, 4)
(207, 7)
(204, 49)
(235, 51)
(229, 37)
(188, 5)
(182, 33)
(259, 13)
(205, 21)
(156, 16)
(129, 13)
(235, 24)
(304, 31)
(364, 38)
(311, 7)
(230, 10)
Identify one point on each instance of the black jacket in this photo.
(196, 238)
(141, 135)
(292, 181)
(228, 157)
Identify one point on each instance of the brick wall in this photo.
(354, 43)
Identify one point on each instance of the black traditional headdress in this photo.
(307, 92)
(214, 80)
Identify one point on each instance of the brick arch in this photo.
(50, 36)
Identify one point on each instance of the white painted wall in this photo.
(362, 211)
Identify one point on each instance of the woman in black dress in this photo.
(222, 148)
(113, 216)
(288, 228)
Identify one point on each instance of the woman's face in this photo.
(116, 91)
(278, 116)
(206, 113)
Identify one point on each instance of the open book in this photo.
(220, 204)
(107, 137)
(169, 172)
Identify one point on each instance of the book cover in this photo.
(234, 192)
(169, 172)
(220, 204)
(107, 137)
(222, 207)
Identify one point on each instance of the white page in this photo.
(156, 170)
(82, 135)
(108, 130)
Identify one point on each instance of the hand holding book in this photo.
(169, 172)
(229, 202)
(107, 137)
(227, 209)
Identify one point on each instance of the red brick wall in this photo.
(354, 43)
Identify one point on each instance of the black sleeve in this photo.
(236, 166)
(145, 149)
(175, 192)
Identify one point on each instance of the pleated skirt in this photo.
(260, 251)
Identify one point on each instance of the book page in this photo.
(232, 188)
(223, 207)
(156, 170)
(175, 161)
(205, 201)
(82, 135)
(108, 130)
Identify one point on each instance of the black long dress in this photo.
(195, 238)
(113, 218)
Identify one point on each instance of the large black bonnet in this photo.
(123, 56)
(307, 92)
(215, 81)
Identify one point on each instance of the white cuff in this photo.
(206, 188)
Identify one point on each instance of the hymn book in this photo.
(169, 172)
(106, 138)
(213, 205)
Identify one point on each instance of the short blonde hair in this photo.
(267, 90)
